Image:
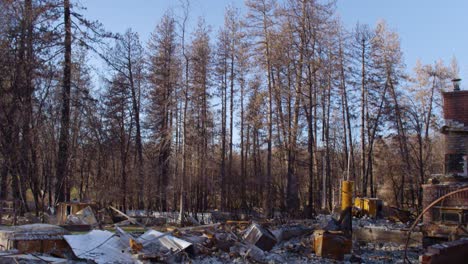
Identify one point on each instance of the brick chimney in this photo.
(443, 220)
(456, 130)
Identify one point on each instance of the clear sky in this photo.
(428, 29)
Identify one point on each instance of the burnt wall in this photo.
(434, 191)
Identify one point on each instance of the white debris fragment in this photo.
(168, 241)
(99, 246)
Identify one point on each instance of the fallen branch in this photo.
(131, 219)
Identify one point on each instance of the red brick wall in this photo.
(456, 106)
(433, 191)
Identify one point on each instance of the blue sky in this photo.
(428, 29)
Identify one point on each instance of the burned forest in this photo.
(279, 135)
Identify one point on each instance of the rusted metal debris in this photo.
(396, 214)
(260, 237)
(40, 238)
(331, 245)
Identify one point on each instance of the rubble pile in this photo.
(320, 240)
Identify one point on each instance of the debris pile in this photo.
(450, 252)
(40, 238)
(99, 246)
(320, 240)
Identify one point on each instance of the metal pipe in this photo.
(346, 194)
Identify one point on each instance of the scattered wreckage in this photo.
(365, 231)
(321, 240)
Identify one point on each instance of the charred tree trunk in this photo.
(63, 152)
(363, 119)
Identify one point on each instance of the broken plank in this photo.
(131, 219)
